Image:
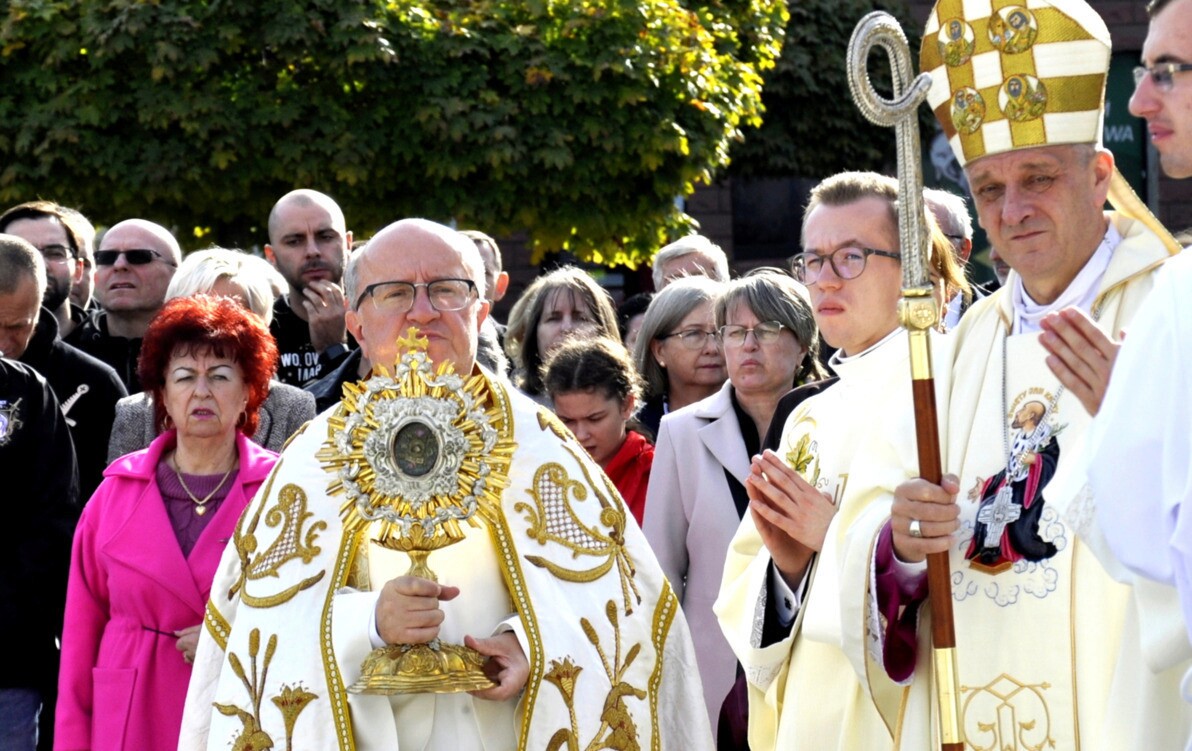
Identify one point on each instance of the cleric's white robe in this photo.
(1051, 651)
(854, 441)
(1139, 452)
(609, 652)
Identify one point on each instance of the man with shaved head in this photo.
(553, 593)
(308, 244)
(134, 264)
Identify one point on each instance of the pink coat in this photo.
(122, 684)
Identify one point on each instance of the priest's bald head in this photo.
(417, 274)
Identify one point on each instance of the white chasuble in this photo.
(855, 442)
(558, 559)
(1052, 652)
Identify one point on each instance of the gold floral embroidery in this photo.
(1007, 715)
(290, 702)
(617, 729)
(801, 457)
(291, 544)
(552, 519)
(547, 420)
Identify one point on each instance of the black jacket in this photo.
(40, 512)
(87, 390)
(92, 337)
(329, 389)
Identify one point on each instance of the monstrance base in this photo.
(435, 668)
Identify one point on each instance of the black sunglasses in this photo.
(135, 257)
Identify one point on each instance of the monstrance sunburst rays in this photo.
(415, 452)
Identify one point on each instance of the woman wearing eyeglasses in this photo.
(677, 352)
(701, 460)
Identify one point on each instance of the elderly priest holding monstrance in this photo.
(436, 563)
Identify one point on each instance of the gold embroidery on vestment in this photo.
(291, 544)
(217, 625)
(551, 518)
(617, 729)
(1007, 715)
(664, 616)
(290, 702)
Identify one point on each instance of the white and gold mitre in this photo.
(1010, 76)
(1018, 74)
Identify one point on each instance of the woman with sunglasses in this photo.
(697, 495)
(677, 352)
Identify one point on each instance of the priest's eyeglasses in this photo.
(445, 295)
(766, 332)
(694, 339)
(1162, 75)
(847, 263)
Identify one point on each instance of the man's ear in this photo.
(482, 313)
(1103, 168)
(352, 320)
(269, 255)
(500, 286)
(77, 276)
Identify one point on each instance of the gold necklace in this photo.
(200, 506)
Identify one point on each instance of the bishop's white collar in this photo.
(1081, 293)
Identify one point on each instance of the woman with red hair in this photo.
(148, 543)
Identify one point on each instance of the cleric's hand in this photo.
(1080, 355)
(408, 609)
(929, 508)
(507, 665)
(791, 516)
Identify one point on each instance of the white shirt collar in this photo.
(1081, 293)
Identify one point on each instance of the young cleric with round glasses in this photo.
(800, 497)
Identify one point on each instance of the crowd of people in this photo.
(690, 520)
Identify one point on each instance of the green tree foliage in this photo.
(579, 121)
(812, 128)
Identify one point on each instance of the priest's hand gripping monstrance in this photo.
(416, 454)
(918, 313)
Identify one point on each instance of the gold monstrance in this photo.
(416, 453)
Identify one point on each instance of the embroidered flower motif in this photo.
(563, 674)
(291, 702)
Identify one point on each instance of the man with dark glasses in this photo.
(134, 264)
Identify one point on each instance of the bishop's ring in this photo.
(916, 529)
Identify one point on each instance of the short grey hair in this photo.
(18, 258)
(201, 270)
(667, 310)
(773, 296)
(692, 245)
(959, 221)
